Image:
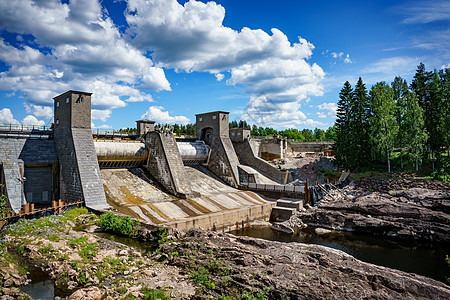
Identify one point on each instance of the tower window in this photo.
(57, 103)
(57, 121)
(200, 119)
(67, 100)
(214, 117)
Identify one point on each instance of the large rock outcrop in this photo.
(403, 208)
(293, 270)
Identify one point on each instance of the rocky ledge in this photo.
(228, 265)
(195, 265)
(405, 207)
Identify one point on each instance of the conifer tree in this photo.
(434, 117)
(360, 126)
(400, 89)
(445, 83)
(342, 125)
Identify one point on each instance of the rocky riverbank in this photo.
(402, 207)
(196, 265)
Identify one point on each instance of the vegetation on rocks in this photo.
(197, 265)
(117, 224)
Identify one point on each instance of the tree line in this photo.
(291, 133)
(413, 120)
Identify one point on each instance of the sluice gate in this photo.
(124, 154)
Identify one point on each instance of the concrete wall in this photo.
(223, 161)
(38, 186)
(226, 219)
(271, 149)
(295, 148)
(165, 163)
(247, 156)
(17, 155)
(239, 134)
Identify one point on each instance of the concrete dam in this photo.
(150, 176)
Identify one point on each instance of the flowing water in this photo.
(427, 260)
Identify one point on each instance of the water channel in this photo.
(427, 260)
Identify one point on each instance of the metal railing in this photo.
(25, 131)
(274, 187)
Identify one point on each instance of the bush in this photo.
(161, 235)
(113, 223)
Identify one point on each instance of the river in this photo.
(427, 260)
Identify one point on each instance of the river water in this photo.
(427, 260)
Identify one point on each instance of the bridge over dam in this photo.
(150, 175)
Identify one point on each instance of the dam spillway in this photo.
(132, 192)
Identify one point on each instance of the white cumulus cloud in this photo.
(43, 112)
(329, 108)
(219, 76)
(192, 37)
(157, 114)
(86, 52)
(6, 117)
(32, 120)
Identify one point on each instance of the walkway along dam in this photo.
(186, 183)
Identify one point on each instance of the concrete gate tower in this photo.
(79, 169)
(213, 129)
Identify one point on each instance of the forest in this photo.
(410, 122)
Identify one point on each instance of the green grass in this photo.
(150, 294)
(202, 276)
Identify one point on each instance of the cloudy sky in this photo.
(273, 63)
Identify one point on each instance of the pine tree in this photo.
(342, 125)
(434, 121)
(382, 121)
(360, 126)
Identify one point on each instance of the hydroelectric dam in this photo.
(207, 182)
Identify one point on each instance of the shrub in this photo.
(162, 235)
(113, 223)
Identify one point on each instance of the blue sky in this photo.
(273, 63)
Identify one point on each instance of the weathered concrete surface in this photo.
(250, 175)
(132, 192)
(295, 270)
(372, 207)
(249, 156)
(33, 152)
(223, 161)
(165, 163)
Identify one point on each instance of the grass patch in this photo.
(72, 214)
(201, 276)
(150, 294)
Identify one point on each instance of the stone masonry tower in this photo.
(79, 169)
